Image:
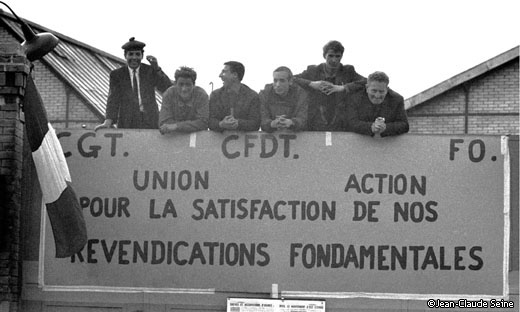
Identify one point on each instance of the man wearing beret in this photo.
(131, 99)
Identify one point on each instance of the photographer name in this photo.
(474, 304)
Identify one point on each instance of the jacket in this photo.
(123, 108)
(361, 113)
(323, 113)
(244, 106)
(293, 106)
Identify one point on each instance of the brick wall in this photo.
(14, 69)
(5, 36)
(437, 125)
(496, 91)
(11, 143)
(493, 106)
(65, 109)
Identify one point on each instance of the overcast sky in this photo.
(417, 43)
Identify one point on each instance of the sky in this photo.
(418, 43)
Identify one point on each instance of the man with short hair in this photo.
(131, 99)
(327, 84)
(376, 110)
(235, 106)
(283, 103)
(185, 106)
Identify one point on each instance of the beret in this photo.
(133, 44)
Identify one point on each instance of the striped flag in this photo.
(65, 214)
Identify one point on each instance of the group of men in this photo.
(325, 97)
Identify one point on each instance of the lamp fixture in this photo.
(35, 46)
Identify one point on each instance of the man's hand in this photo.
(229, 123)
(276, 122)
(319, 85)
(284, 123)
(168, 128)
(378, 126)
(153, 62)
(330, 88)
(106, 124)
(326, 87)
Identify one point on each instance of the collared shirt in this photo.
(131, 73)
(231, 96)
(235, 88)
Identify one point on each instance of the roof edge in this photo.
(462, 78)
(62, 36)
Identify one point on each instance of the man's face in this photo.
(228, 78)
(184, 87)
(281, 83)
(133, 58)
(333, 59)
(377, 91)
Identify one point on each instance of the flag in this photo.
(65, 213)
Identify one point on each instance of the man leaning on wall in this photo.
(235, 106)
(327, 84)
(283, 103)
(185, 106)
(375, 109)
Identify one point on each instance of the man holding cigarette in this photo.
(235, 106)
(376, 110)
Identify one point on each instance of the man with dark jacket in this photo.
(327, 84)
(376, 110)
(131, 99)
(235, 106)
(283, 103)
